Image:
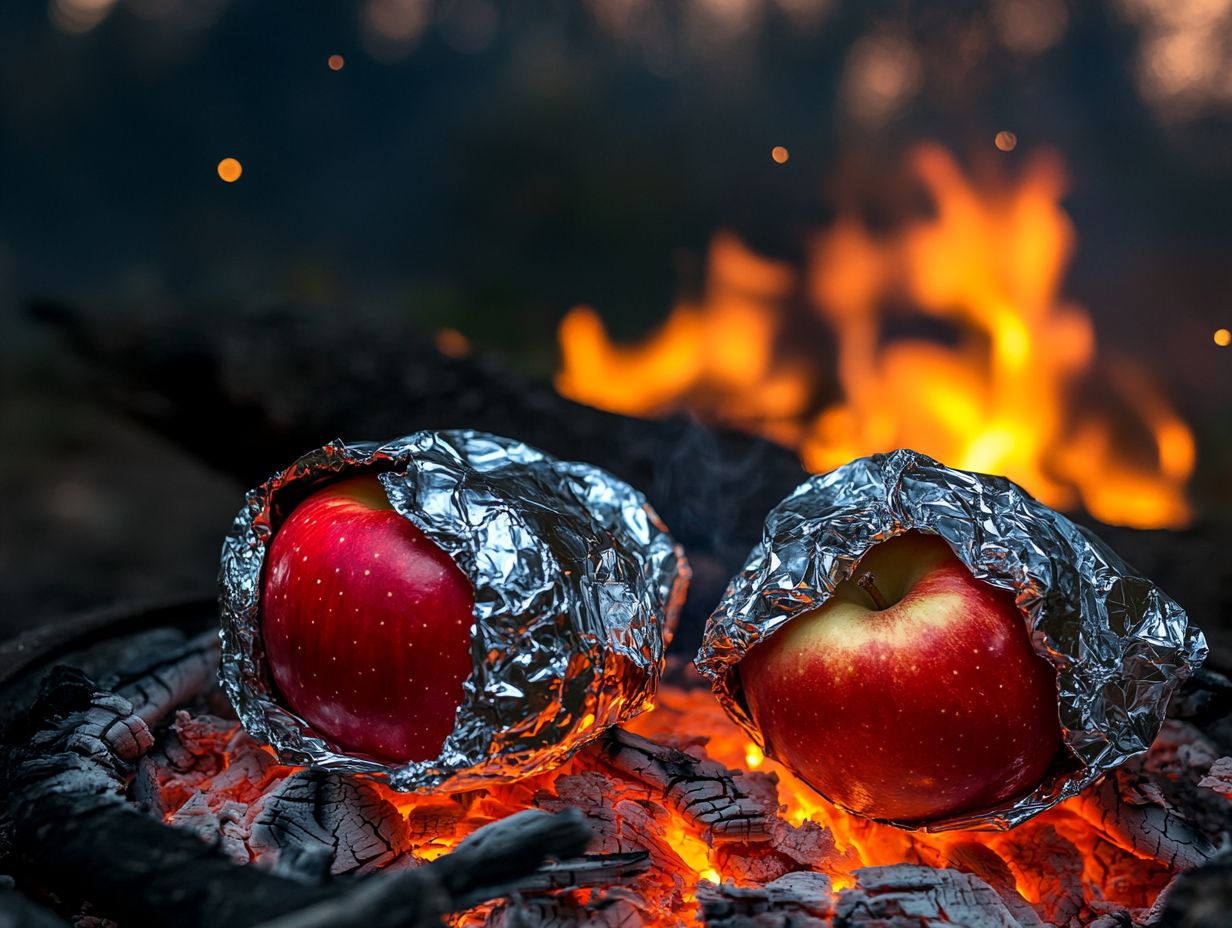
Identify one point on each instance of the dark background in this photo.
(485, 167)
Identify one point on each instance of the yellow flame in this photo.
(1002, 398)
(753, 756)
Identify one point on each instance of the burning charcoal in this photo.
(344, 816)
(522, 608)
(187, 755)
(1127, 881)
(1170, 775)
(197, 749)
(624, 819)
(1118, 920)
(1145, 825)
(438, 820)
(797, 900)
(566, 911)
(790, 849)
(701, 790)
(1049, 868)
(249, 770)
(1219, 777)
(908, 895)
(982, 861)
(840, 611)
(1180, 751)
(215, 820)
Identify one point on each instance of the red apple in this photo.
(366, 624)
(912, 694)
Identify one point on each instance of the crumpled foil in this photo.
(1120, 645)
(577, 589)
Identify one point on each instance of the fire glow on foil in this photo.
(577, 588)
(1120, 645)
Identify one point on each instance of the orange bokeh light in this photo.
(336, 62)
(452, 343)
(779, 154)
(229, 169)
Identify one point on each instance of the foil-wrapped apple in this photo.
(936, 649)
(449, 609)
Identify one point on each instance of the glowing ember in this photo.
(1077, 861)
(1000, 395)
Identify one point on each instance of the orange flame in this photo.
(1001, 398)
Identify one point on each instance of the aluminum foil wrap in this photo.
(577, 588)
(1120, 645)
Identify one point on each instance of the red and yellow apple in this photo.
(912, 694)
(366, 624)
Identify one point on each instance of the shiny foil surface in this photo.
(1120, 645)
(577, 588)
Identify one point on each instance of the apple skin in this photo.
(934, 706)
(366, 624)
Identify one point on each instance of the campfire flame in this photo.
(1003, 394)
(1064, 863)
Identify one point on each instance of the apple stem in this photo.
(868, 583)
